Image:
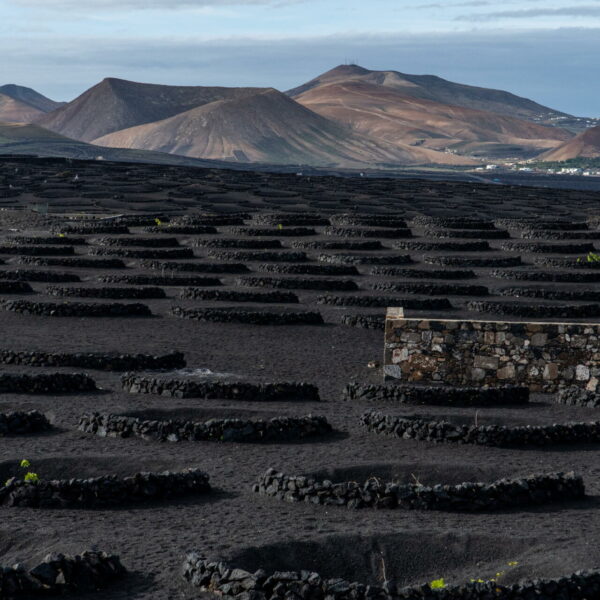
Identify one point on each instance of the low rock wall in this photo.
(189, 388)
(58, 574)
(106, 292)
(251, 317)
(438, 395)
(278, 429)
(234, 296)
(468, 496)
(438, 431)
(575, 396)
(19, 423)
(109, 490)
(45, 383)
(228, 581)
(76, 309)
(102, 361)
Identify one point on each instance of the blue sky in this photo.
(543, 49)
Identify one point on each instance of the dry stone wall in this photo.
(545, 357)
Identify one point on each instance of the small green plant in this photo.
(29, 477)
(591, 257)
(158, 222)
(437, 584)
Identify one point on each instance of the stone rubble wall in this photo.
(575, 396)
(468, 496)
(58, 574)
(228, 581)
(18, 423)
(438, 395)
(102, 361)
(219, 430)
(429, 429)
(252, 317)
(115, 293)
(224, 390)
(76, 309)
(542, 356)
(45, 383)
(108, 490)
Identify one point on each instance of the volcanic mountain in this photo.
(585, 145)
(268, 127)
(20, 104)
(387, 107)
(115, 104)
(436, 89)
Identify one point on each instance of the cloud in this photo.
(551, 67)
(95, 5)
(529, 13)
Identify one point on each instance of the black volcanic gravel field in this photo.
(445, 228)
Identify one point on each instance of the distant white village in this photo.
(576, 171)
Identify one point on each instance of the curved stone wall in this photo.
(385, 301)
(298, 283)
(278, 429)
(160, 280)
(282, 256)
(15, 287)
(368, 233)
(517, 309)
(227, 581)
(78, 262)
(194, 267)
(556, 276)
(575, 396)
(335, 245)
(474, 261)
(40, 276)
(48, 240)
(533, 490)
(45, 383)
(451, 222)
(106, 292)
(146, 242)
(108, 490)
(147, 253)
(246, 391)
(438, 395)
(550, 293)
(367, 220)
(432, 289)
(233, 296)
(76, 309)
(253, 317)
(235, 243)
(353, 259)
(19, 423)
(273, 232)
(364, 321)
(476, 234)
(479, 246)
(308, 269)
(38, 250)
(58, 574)
(430, 430)
(548, 248)
(101, 361)
(423, 273)
(183, 229)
